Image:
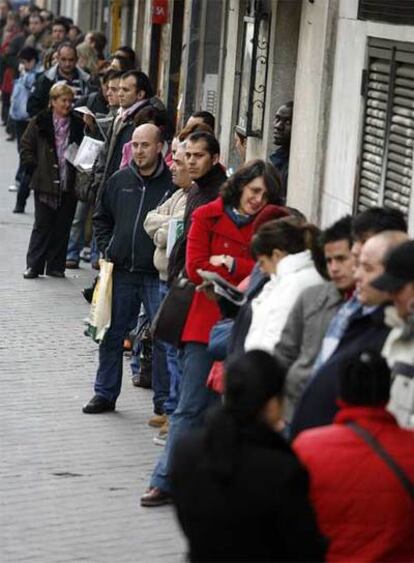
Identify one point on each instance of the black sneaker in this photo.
(98, 405)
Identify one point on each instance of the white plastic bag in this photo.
(88, 153)
(101, 307)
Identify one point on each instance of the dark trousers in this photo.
(20, 126)
(50, 235)
(129, 291)
(21, 177)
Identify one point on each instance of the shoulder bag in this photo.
(398, 471)
(169, 321)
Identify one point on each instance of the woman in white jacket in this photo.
(283, 249)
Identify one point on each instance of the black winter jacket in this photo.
(204, 190)
(260, 513)
(39, 98)
(318, 404)
(119, 217)
(110, 158)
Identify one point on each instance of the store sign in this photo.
(160, 11)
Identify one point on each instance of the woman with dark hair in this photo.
(43, 156)
(285, 249)
(239, 490)
(218, 241)
(362, 503)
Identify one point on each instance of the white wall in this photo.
(347, 107)
(311, 103)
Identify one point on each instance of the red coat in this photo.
(361, 505)
(213, 232)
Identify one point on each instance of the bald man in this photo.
(127, 197)
(365, 331)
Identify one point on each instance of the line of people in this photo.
(314, 342)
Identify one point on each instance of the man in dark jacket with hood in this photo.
(118, 220)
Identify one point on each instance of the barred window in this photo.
(386, 161)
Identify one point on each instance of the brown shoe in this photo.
(157, 420)
(72, 264)
(155, 497)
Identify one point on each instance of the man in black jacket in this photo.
(66, 70)
(134, 94)
(118, 220)
(202, 157)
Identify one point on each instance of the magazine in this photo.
(223, 288)
(175, 230)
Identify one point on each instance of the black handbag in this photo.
(169, 321)
(84, 187)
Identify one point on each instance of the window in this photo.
(252, 94)
(391, 11)
(386, 162)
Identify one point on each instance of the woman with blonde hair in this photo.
(43, 156)
(87, 58)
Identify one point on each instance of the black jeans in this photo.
(50, 235)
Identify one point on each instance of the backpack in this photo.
(18, 102)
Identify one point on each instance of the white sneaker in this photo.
(13, 188)
(160, 439)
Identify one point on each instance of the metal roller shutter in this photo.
(386, 162)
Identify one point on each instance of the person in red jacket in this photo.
(218, 241)
(361, 504)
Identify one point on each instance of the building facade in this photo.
(348, 65)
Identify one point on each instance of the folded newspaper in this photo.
(223, 288)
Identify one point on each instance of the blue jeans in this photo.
(172, 365)
(195, 399)
(130, 289)
(77, 235)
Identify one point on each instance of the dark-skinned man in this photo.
(282, 128)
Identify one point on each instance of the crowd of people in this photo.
(281, 355)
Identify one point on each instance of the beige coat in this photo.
(156, 225)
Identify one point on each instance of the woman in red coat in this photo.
(361, 505)
(218, 240)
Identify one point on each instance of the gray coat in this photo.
(302, 338)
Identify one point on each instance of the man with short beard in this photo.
(65, 70)
(202, 160)
(119, 229)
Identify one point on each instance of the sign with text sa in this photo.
(160, 11)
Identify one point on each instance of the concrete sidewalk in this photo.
(69, 483)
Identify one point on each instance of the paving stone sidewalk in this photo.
(69, 483)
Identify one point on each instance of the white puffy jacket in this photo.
(272, 306)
